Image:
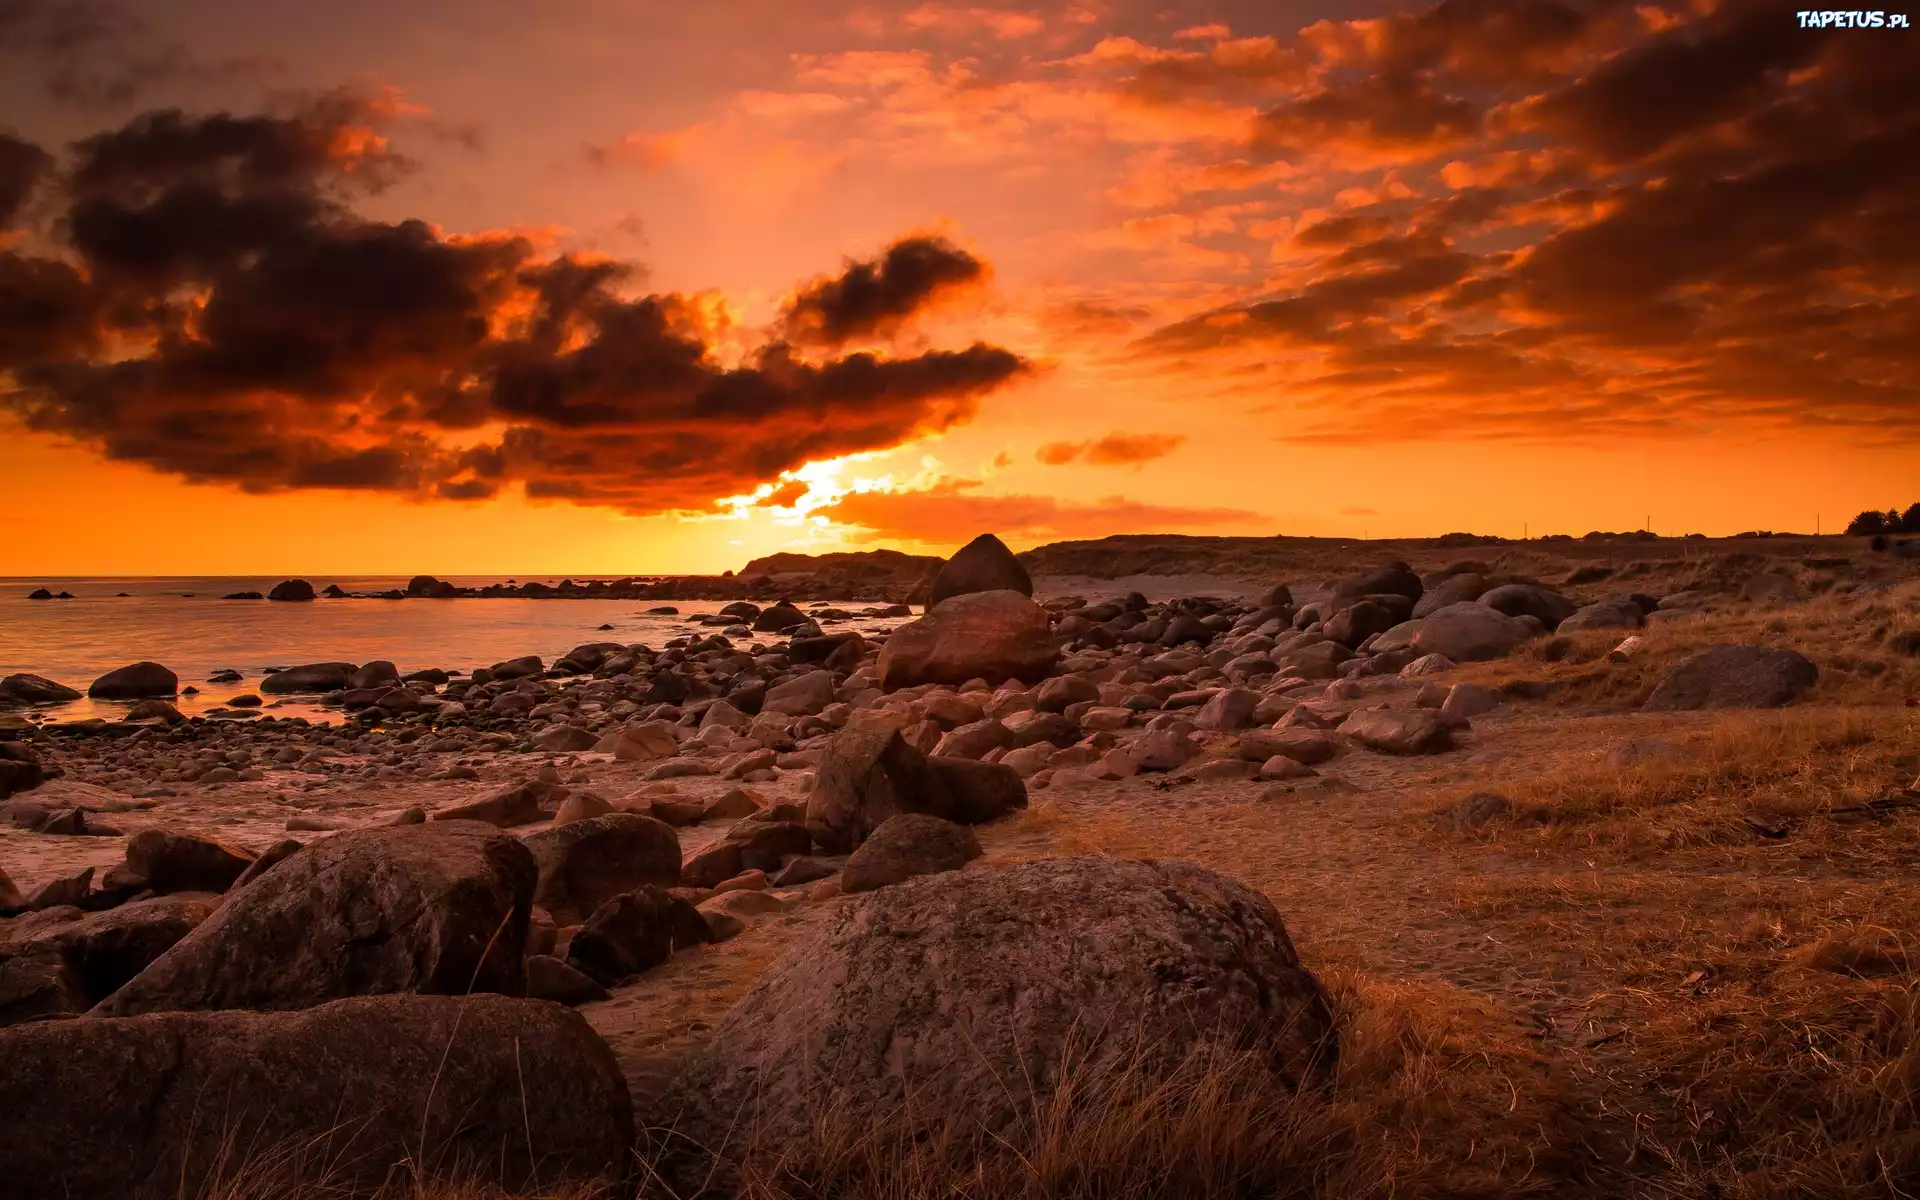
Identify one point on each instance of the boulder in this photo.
(135, 682)
(1398, 730)
(1468, 700)
(1301, 745)
(309, 677)
(1466, 632)
(377, 674)
(1360, 621)
(1530, 600)
(106, 949)
(296, 590)
(1772, 588)
(1227, 709)
(154, 710)
(866, 774)
(184, 862)
(642, 742)
(506, 807)
(802, 696)
(20, 769)
(905, 846)
(519, 668)
(583, 864)
(1454, 589)
(1733, 677)
(1605, 614)
(1057, 694)
(440, 907)
(779, 618)
(550, 978)
(960, 1001)
(982, 565)
(522, 1092)
(634, 933)
(564, 739)
(1394, 578)
(979, 791)
(34, 689)
(36, 984)
(995, 636)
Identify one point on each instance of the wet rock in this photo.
(377, 674)
(982, 565)
(519, 668)
(436, 908)
(1733, 677)
(34, 689)
(155, 710)
(135, 682)
(308, 677)
(295, 590)
(905, 846)
(523, 1093)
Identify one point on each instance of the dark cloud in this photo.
(875, 296)
(22, 166)
(1114, 450)
(1631, 220)
(99, 54)
(226, 316)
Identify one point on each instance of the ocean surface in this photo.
(183, 624)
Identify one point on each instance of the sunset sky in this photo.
(604, 286)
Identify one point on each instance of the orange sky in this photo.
(687, 284)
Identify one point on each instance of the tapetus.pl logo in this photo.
(1829, 19)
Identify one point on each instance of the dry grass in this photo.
(1863, 645)
(1827, 776)
(1432, 1096)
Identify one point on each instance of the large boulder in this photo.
(37, 983)
(1530, 600)
(979, 792)
(520, 1093)
(1454, 589)
(1398, 730)
(310, 677)
(20, 769)
(866, 774)
(34, 689)
(135, 682)
(1733, 677)
(996, 636)
(982, 565)
(801, 696)
(106, 949)
(583, 864)
(905, 846)
(1605, 614)
(633, 933)
(439, 907)
(167, 861)
(1466, 632)
(1394, 578)
(968, 997)
(296, 590)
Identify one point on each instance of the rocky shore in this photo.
(255, 894)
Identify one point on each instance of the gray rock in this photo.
(1530, 600)
(107, 949)
(147, 1108)
(1467, 632)
(1733, 677)
(1466, 700)
(1398, 731)
(995, 635)
(1227, 710)
(309, 677)
(1605, 614)
(866, 774)
(583, 864)
(905, 846)
(634, 933)
(801, 696)
(33, 689)
(982, 565)
(942, 1001)
(135, 682)
(438, 908)
(170, 861)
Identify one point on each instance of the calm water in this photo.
(76, 641)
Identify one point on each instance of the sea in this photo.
(184, 624)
